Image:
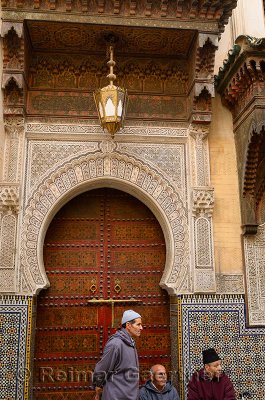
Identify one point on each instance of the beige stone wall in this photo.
(224, 179)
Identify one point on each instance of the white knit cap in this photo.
(129, 315)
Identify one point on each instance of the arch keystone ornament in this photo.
(106, 170)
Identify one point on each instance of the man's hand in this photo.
(98, 393)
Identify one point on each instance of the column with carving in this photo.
(13, 110)
(8, 223)
(202, 207)
(202, 198)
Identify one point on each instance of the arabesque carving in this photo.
(14, 128)
(67, 72)
(200, 161)
(124, 171)
(255, 277)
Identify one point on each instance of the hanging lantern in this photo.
(111, 102)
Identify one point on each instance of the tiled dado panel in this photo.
(220, 322)
(15, 340)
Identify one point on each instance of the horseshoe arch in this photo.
(106, 170)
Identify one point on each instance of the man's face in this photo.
(159, 376)
(214, 369)
(135, 328)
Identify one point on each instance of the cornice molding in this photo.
(206, 15)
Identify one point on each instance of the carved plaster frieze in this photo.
(74, 129)
(123, 172)
(155, 131)
(255, 276)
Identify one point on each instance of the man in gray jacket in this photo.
(158, 388)
(116, 375)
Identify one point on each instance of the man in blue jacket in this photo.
(158, 388)
(116, 375)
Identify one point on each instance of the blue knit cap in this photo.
(129, 315)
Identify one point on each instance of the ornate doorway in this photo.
(104, 252)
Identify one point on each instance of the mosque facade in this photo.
(166, 216)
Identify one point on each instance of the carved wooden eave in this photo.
(205, 16)
(241, 84)
(241, 79)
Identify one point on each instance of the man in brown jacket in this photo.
(210, 383)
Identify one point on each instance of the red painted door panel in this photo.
(104, 252)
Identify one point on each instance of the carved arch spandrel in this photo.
(116, 171)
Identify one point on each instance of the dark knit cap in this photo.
(209, 356)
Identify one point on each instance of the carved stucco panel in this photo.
(255, 276)
(7, 279)
(45, 156)
(14, 128)
(125, 173)
(170, 159)
(7, 242)
(232, 284)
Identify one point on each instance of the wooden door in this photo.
(104, 252)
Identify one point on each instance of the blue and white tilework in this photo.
(220, 322)
(14, 329)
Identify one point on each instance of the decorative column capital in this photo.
(202, 201)
(14, 125)
(9, 198)
(199, 132)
